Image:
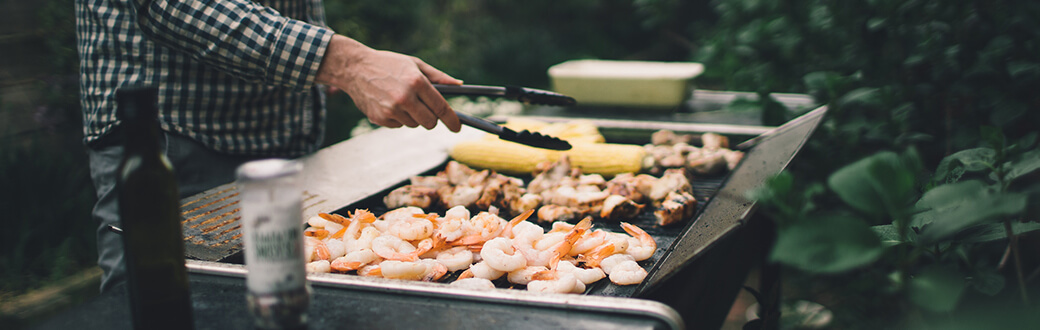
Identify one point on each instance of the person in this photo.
(237, 81)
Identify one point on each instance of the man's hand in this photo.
(392, 89)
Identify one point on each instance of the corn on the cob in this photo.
(515, 159)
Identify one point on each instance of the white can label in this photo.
(273, 241)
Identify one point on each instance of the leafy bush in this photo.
(47, 198)
(939, 93)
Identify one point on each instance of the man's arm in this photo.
(240, 37)
(390, 88)
(255, 43)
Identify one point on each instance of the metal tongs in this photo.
(526, 95)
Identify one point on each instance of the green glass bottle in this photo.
(149, 212)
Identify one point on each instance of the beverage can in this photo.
(272, 231)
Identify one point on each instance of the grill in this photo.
(698, 268)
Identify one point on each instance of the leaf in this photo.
(950, 194)
(954, 207)
(988, 281)
(993, 136)
(936, 288)
(888, 234)
(1028, 140)
(828, 244)
(861, 96)
(1023, 165)
(880, 184)
(995, 231)
(953, 166)
(1008, 112)
(1023, 70)
(876, 23)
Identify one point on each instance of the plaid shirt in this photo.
(235, 75)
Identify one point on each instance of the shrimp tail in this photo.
(436, 273)
(335, 218)
(638, 233)
(466, 274)
(363, 215)
(545, 275)
(424, 246)
(339, 234)
(344, 267)
(470, 240)
(561, 249)
(321, 251)
(508, 232)
(375, 271)
(316, 233)
(594, 257)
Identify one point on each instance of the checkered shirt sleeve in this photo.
(234, 75)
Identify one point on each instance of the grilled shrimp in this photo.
(411, 228)
(482, 270)
(336, 248)
(354, 260)
(588, 242)
(586, 276)
(499, 254)
(483, 227)
(627, 272)
(612, 261)
(595, 257)
(508, 231)
(393, 248)
(559, 283)
(525, 275)
(643, 247)
(315, 249)
(434, 270)
(474, 283)
(456, 258)
(320, 266)
(370, 270)
(402, 270)
(364, 241)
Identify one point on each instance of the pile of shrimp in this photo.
(409, 244)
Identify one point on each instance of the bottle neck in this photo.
(141, 136)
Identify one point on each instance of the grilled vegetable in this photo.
(511, 158)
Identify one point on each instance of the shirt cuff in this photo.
(297, 54)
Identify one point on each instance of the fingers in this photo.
(434, 102)
(389, 123)
(435, 76)
(420, 114)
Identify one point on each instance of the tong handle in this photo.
(525, 95)
(480, 123)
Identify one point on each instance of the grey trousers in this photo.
(197, 168)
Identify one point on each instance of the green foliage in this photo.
(894, 72)
(827, 244)
(936, 288)
(920, 86)
(879, 185)
(48, 234)
(937, 231)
